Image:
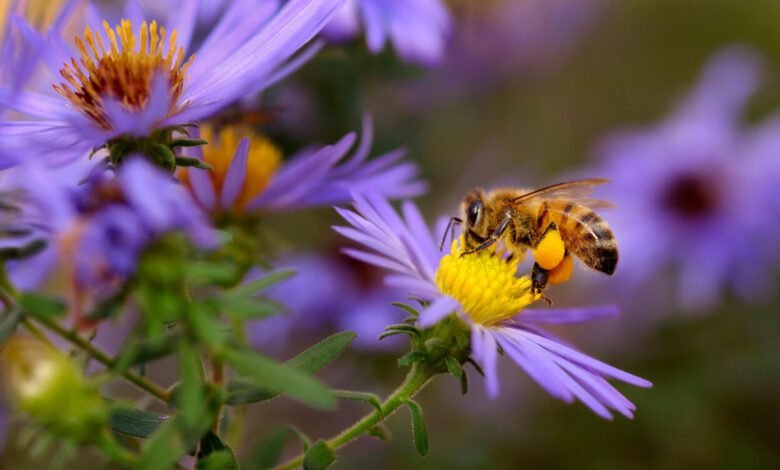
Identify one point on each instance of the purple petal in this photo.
(236, 174)
(438, 310)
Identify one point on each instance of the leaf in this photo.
(453, 366)
(369, 398)
(268, 453)
(318, 457)
(242, 391)
(406, 308)
(380, 432)
(280, 378)
(248, 308)
(8, 324)
(214, 454)
(41, 306)
(135, 422)
(258, 285)
(305, 441)
(204, 272)
(190, 395)
(419, 433)
(163, 448)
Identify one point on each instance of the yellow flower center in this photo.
(125, 71)
(485, 284)
(262, 162)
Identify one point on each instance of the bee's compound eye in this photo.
(475, 209)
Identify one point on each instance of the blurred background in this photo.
(528, 93)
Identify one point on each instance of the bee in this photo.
(523, 219)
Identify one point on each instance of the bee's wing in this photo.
(576, 191)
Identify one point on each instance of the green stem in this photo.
(100, 356)
(418, 377)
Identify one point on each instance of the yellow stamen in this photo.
(262, 162)
(485, 284)
(125, 71)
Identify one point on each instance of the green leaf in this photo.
(242, 391)
(268, 453)
(380, 432)
(406, 308)
(369, 398)
(135, 422)
(190, 396)
(138, 351)
(8, 324)
(419, 433)
(205, 272)
(207, 327)
(305, 441)
(318, 457)
(258, 285)
(248, 308)
(163, 448)
(280, 378)
(215, 454)
(411, 357)
(39, 305)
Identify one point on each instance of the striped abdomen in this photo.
(584, 233)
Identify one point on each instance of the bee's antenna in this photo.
(450, 227)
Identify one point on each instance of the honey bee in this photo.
(524, 219)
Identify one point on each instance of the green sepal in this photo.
(453, 366)
(365, 397)
(318, 457)
(409, 329)
(193, 162)
(214, 454)
(15, 253)
(134, 422)
(411, 357)
(163, 156)
(406, 308)
(419, 433)
(188, 143)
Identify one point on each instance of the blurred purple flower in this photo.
(311, 178)
(406, 247)
(418, 29)
(250, 48)
(695, 192)
(345, 298)
(100, 228)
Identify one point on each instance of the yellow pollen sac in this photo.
(562, 272)
(123, 71)
(485, 284)
(550, 251)
(262, 162)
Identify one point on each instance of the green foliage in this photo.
(8, 324)
(243, 391)
(134, 422)
(318, 457)
(369, 398)
(268, 453)
(419, 433)
(40, 305)
(215, 454)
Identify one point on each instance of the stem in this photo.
(418, 377)
(100, 356)
(217, 379)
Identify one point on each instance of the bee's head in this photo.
(474, 218)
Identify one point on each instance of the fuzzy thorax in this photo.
(123, 72)
(485, 284)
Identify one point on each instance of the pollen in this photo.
(485, 284)
(262, 162)
(123, 72)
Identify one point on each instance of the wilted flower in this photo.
(130, 87)
(417, 29)
(695, 192)
(249, 175)
(45, 383)
(483, 289)
(99, 229)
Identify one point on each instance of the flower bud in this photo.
(43, 382)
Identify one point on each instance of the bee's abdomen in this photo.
(584, 232)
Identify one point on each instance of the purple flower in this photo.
(418, 29)
(695, 192)
(248, 175)
(483, 289)
(250, 48)
(98, 230)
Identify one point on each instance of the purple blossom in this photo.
(417, 29)
(99, 229)
(695, 192)
(405, 246)
(252, 46)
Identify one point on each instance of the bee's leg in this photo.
(450, 226)
(502, 226)
(539, 277)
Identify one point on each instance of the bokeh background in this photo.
(527, 92)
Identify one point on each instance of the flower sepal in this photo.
(159, 148)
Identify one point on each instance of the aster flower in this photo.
(418, 29)
(98, 230)
(129, 87)
(249, 175)
(485, 292)
(695, 191)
